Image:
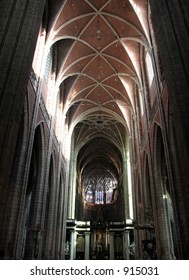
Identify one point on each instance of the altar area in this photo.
(100, 243)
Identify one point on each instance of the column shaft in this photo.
(87, 245)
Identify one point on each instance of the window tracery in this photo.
(99, 189)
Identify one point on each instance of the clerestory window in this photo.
(99, 190)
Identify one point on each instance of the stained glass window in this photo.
(99, 189)
(99, 197)
(109, 194)
(89, 196)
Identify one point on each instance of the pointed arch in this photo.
(33, 196)
(47, 250)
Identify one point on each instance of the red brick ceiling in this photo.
(99, 44)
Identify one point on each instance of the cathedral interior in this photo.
(94, 129)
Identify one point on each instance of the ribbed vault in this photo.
(99, 56)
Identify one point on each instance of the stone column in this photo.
(87, 245)
(112, 253)
(170, 24)
(19, 26)
(126, 243)
(73, 245)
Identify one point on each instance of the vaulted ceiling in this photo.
(99, 46)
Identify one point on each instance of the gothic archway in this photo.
(48, 250)
(32, 200)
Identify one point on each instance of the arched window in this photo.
(48, 66)
(99, 189)
(141, 103)
(99, 194)
(89, 196)
(149, 68)
(109, 195)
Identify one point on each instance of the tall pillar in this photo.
(73, 245)
(19, 26)
(106, 241)
(171, 28)
(72, 189)
(112, 253)
(126, 243)
(87, 245)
